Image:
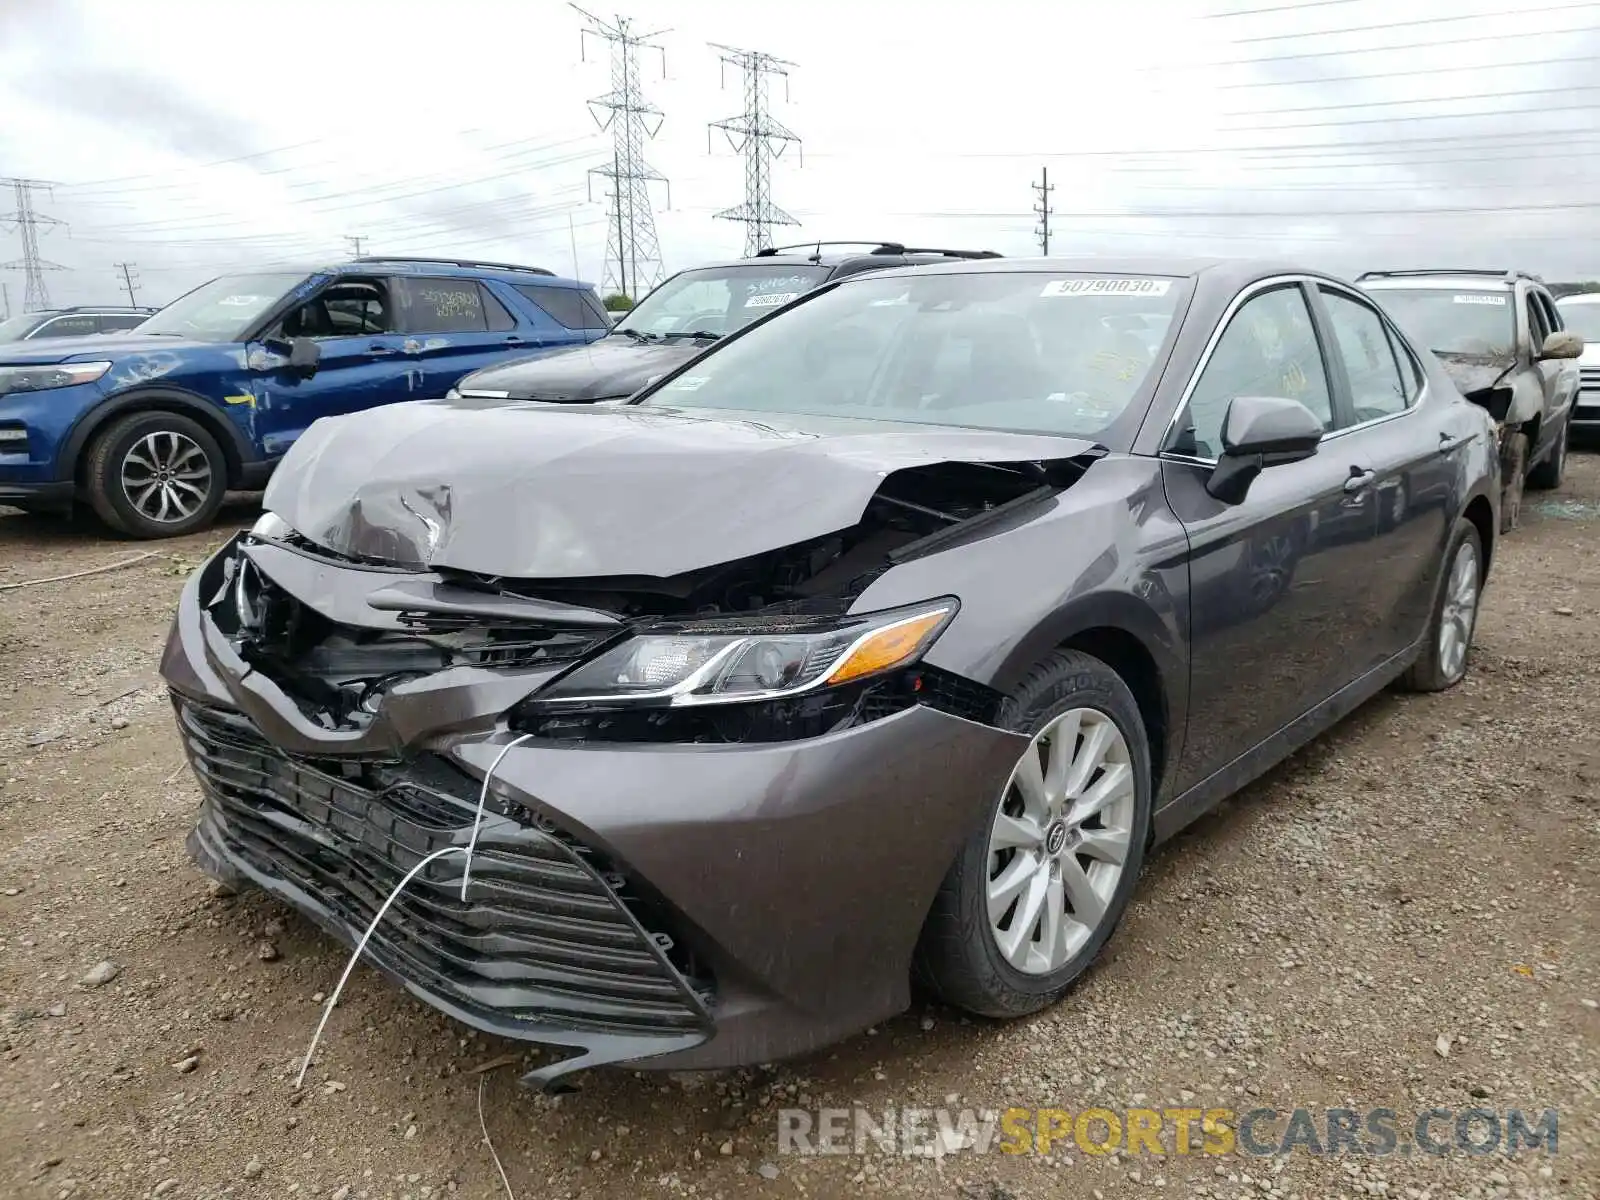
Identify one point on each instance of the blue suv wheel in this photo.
(156, 475)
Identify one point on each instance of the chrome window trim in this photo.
(1243, 298)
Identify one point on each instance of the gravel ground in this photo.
(1403, 916)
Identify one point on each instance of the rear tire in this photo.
(1455, 615)
(1547, 475)
(1040, 885)
(156, 475)
(1513, 476)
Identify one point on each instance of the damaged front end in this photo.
(343, 716)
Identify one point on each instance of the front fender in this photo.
(225, 425)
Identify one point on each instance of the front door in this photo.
(363, 361)
(1278, 582)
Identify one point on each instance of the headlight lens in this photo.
(53, 375)
(721, 663)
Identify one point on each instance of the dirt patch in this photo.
(1424, 877)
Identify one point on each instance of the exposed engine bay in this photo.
(337, 634)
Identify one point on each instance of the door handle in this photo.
(513, 340)
(1359, 480)
(379, 350)
(1448, 445)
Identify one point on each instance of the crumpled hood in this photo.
(544, 491)
(1474, 372)
(615, 365)
(95, 347)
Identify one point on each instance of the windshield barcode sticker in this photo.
(770, 300)
(685, 383)
(1480, 298)
(1107, 287)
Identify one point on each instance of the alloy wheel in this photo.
(1060, 841)
(166, 476)
(1459, 612)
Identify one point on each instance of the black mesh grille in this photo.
(543, 937)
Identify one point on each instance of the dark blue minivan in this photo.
(150, 428)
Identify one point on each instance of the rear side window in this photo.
(76, 325)
(495, 314)
(574, 308)
(1377, 387)
(441, 305)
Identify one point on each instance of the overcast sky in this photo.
(193, 138)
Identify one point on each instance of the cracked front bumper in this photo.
(664, 905)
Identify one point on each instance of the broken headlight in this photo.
(727, 662)
(56, 375)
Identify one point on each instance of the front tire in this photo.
(1455, 615)
(1513, 476)
(1042, 881)
(156, 475)
(1547, 476)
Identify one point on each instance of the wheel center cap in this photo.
(1055, 838)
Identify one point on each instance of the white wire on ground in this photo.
(489, 1141)
(466, 870)
(362, 945)
(483, 799)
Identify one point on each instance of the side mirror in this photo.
(1562, 344)
(304, 354)
(1260, 432)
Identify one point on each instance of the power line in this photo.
(1514, 112)
(1408, 73)
(1585, 87)
(1387, 25)
(35, 296)
(1432, 44)
(128, 278)
(1042, 207)
(760, 138)
(1253, 12)
(632, 244)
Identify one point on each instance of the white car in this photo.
(1581, 314)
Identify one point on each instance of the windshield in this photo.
(15, 329)
(1017, 350)
(1447, 321)
(1582, 319)
(221, 311)
(717, 300)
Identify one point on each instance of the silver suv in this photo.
(1500, 337)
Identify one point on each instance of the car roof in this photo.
(1444, 281)
(447, 269)
(115, 310)
(1222, 271)
(1580, 298)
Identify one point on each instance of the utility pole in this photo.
(128, 281)
(35, 295)
(1042, 208)
(5, 301)
(756, 135)
(572, 236)
(633, 255)
(355, 244)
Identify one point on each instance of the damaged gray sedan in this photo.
(876, 644)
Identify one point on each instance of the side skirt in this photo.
(1252, 764)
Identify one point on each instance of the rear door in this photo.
(576, 312)
(1277, 583)
(67, 325)
(453, 326)
(1412, 461)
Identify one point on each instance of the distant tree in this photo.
(1573, 289)
(617, 302)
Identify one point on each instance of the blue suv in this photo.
(150, 428)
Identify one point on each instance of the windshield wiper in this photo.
(639, 335)
(696, 334)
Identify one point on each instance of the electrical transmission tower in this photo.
(35, 295)
(129, 281)
(1044, 187)
(756, 135)
(633, 256)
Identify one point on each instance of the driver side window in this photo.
(348, 308)
(1269, 348)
